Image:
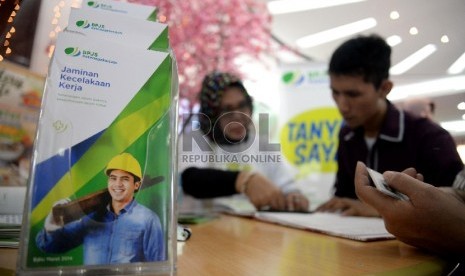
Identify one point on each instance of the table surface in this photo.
(231, 245)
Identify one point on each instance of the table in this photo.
(231, 245)
(241, 246)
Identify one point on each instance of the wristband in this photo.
(246, 182)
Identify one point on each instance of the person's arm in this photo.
(343, 185)
(56, 237)
(431, 219)
(208, 183)
(351, 148)
(345, 200)
(283, 176)
(61, 239)
(154, 241)
(439, 161)
(262, 193)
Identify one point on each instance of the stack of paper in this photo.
(355, 228)
(10, 228)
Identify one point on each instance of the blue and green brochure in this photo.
(107, 108)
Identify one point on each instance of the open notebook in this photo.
(355, 228)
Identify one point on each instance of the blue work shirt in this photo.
(135, 235)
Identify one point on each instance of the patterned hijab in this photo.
(213, 87)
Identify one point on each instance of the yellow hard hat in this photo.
(125, 162)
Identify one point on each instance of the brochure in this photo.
(122, 29)
(100, 195)
(123, 8)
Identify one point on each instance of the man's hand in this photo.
(51, 223)
(348, 207)
(433, 218)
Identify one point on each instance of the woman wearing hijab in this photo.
(221, 154)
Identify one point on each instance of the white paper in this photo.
(356, 228)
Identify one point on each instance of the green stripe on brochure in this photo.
(161, 42)
(153, 15)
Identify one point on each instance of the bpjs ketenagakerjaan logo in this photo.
(84, 24)
(96, 26)
(75, 52)
(72, 51)
(103, 6)
(298, 78)
(232, 138)
(87, 53)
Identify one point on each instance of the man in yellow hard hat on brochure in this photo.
(122, 232)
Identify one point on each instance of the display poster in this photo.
(309, 127)
(20, 98)
(102, 184)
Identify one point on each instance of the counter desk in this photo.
(230, 245)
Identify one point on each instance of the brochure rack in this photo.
(101, 195)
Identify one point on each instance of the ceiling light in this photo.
(454, 126)
(393, 40)
(457, 66)
(394, 15)
(413, 60)
(436, 87)
(461, 106)
(336, 33)
(413, 31)
(444, 39)
(288, 6)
